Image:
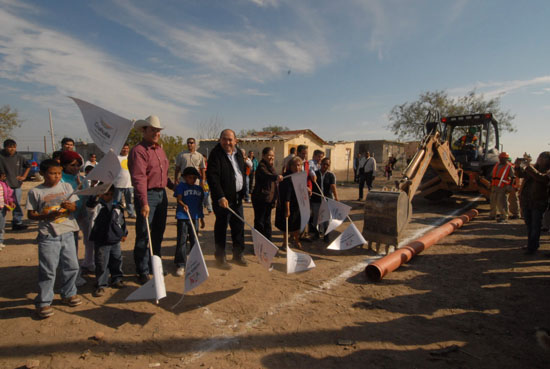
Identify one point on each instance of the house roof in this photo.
(285, 135)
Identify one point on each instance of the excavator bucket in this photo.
(386, 215)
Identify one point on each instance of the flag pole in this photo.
(286, 232)
(196, 242)
(192, 226)
(150, 247)
(238, 216)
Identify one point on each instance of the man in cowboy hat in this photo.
(148, 167)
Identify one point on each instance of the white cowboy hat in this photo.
(150, 121)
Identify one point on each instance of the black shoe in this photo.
(223, 264)
(530, 252)
(240, 260)
(514, 217)
(118, 284)
(143, 278)
(19, 227)
(100, 291)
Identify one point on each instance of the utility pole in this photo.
(45, 146)
(51, 131)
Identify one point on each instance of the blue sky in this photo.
(337, 67)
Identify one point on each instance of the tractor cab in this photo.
(474, 140)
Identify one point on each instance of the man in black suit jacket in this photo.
(226, 179)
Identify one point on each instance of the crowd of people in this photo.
(220, 184)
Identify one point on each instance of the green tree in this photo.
(275, 129)
(9, 119)
(134, 137)
(407, 120)
(172, 146)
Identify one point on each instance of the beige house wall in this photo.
(340, 152)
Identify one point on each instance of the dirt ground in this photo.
(471, 301)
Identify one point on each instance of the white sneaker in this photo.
(80, 281)
(2, 246)
(180, 272)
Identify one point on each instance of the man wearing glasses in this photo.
(190, 158)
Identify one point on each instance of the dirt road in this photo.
(471, 301)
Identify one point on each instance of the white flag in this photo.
(298, 262)
(107, 169)
(338, 213)
(324, 213)
(93, 191)
(107, 130)
(347, 240)
(264, 249)
(196, 271)
(299, 181)
(154, 289)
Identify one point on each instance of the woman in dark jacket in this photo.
(263, 196)
(287, 206)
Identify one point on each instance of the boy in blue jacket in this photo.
(190, 197)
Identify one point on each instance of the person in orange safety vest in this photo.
(501, 184)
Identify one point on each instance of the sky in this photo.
(336, 67)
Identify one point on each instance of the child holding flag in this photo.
(108, 229)
(189, 197)
(48, 203)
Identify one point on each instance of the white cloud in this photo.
(58, 65)
(246, 54)
(499, 88)
(266, 3)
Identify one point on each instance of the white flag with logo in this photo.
(264, 249)
(107, 130)
(338, 213)
(298, 262)
(107, 169)
(93, 191)
(154, 289)
(324, 213)
(347, 240)
(299, 182)
(196, 271)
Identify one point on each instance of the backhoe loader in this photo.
(456, 155)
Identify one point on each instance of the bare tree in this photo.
(210, 128)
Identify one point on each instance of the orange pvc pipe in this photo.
(378, 269)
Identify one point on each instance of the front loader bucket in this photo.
(386, 215)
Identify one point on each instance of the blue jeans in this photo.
(3, 213)
(17, 214)
(158, 211)
(127, 193)
(53, 251)
(108, 259)
(533, 221)
(184, 232)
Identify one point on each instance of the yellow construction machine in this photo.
(456, 154)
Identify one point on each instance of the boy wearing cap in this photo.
(502, 177)
(148, 167)
(189, 197)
